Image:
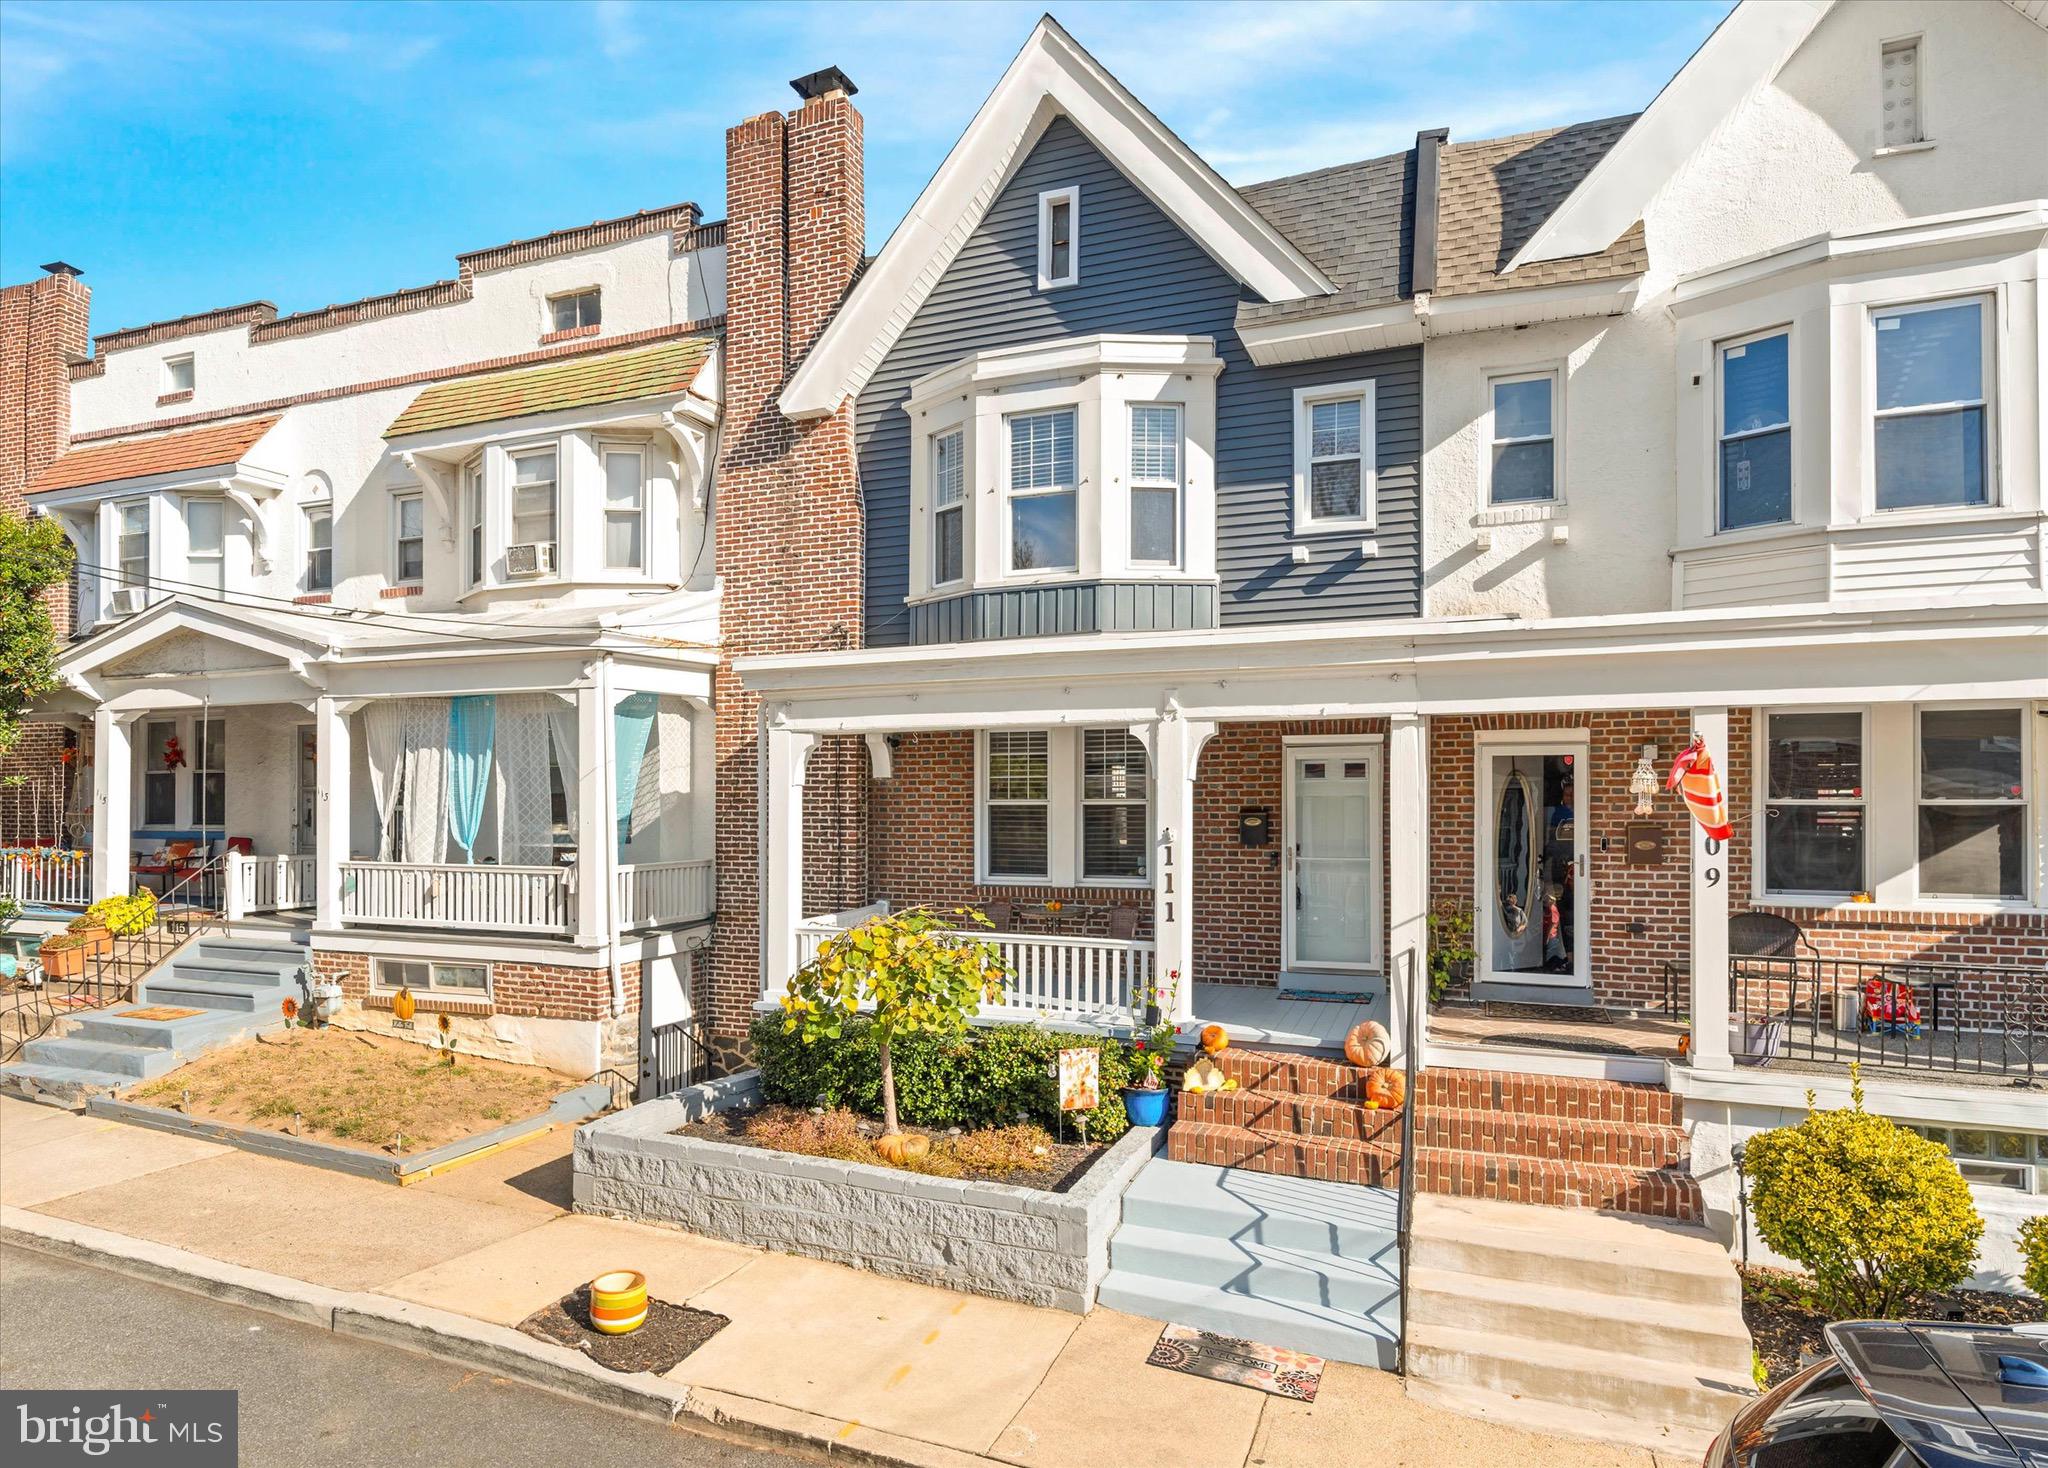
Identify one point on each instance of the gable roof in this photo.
(220, 445)
(1356, 222)
(1497, 192)
(666, 370)
(1051, 76)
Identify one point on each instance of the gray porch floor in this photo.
(1256, 1014)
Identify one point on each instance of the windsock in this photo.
(1693, 775)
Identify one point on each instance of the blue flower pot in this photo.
(1145, 1108)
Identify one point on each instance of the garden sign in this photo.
(1080, 1080)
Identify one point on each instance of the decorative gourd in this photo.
(899, 1149)
(1368, 1044)
(403, 1004)
(1204, 1075)
(1214, 1039)
(1386, 1088)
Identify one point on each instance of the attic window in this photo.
(1059, 238)
(577, 310)
(1899, 94)
(178, 374)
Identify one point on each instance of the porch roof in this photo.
(218, 446)
(666, 370)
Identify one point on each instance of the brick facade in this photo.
(790, 525)
(530, 989)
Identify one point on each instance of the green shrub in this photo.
(988, 1077)
(2034, 1255)
(1875, 1212)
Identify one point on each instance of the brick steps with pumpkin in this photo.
(1557, 1141)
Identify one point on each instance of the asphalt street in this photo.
(308, 1396)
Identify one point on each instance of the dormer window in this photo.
(179, 376)
(576, 311)
(1059, 234)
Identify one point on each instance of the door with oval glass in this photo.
(1533, 895)
(1331, 861)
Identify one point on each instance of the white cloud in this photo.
(618, 31)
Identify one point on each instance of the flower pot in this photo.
(97, 940)
(1145, 1108)
(618, 1301)
(63, 963)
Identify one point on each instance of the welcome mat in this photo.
(1330, 996)
(1280, 1373)
(159, 1011)
(1572, 1014)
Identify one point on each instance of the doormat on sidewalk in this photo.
(1270, 1369)
(670, 1333)
(1330, 996)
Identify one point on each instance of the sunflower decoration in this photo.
(291, 1010)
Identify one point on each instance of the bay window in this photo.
(1155, 483)
(1972, 772)
(1041, 490)
(1813, 830)
(1018, 819)
(131, 554)
(533, 498)
(1755, 431)
(949, 508)
(473, 519)
(625, 489)
(205, 544)
(1933, 364)
(1333, 458)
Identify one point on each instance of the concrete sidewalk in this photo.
(817, 1355)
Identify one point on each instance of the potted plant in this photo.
(1151, 1052)
(1450, 947)
(92, 933)
(63, 955)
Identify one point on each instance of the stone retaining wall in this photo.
(987, 1238)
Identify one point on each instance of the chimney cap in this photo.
(823, 83)
(59, 267)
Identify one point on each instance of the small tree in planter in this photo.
(2034, 1255)
(920, 975)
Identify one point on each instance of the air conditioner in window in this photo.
(536, 558)
(125, 601)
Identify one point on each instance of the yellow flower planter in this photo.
(618, 1301)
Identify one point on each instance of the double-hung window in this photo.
(473, 519)
(625, 488)
(1973, 803)
(1155, 483)
(1755, 430)
(409, 551)
(205, 544)
(576, 310)
(319, 523)
(209, 772)
(1933, 368)
(1059, 230)
(1814, 815)
(1042, 491)
(1019, 805)
(159, 779)
(1115, 788)
(949, 508)
(533, 498)
(131, 553)
(1522, 462)
(425, 977)
(1333, 458)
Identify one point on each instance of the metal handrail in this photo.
(1405, 1213)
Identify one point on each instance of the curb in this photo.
(500, 1350)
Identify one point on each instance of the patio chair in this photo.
(1763, 935)
(1000, 914)
(1123, 923)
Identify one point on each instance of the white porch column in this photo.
(1407, 874)
(113, 788)
(1176, 753)
(597, 834)
(333, 760)
(1710, 915)
(782, 854)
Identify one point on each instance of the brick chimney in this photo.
(788, 511)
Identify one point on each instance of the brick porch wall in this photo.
(532, 990)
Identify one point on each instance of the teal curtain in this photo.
(632, 722)
(472, 724)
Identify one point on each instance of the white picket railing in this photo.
(48, 878)
(656, 892)
(278, 883)
(509, 899)
(1091, 981)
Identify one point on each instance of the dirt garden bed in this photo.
(359, 1090)
(1779, 1309)
(1023, 1156)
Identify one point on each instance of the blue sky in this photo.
(189, 156)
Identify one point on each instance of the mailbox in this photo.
(1254, 826)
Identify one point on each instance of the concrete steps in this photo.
(1301, 1263)
(1620, 1328)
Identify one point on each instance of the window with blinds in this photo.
(1019, 803)
(1115, 794)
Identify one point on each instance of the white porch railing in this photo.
(268, 884)
(657, 892)
(509, 899)
(1071, 980)
(47, 879)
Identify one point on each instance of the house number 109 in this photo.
(1712, 874)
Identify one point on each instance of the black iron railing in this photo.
(672, 1056)
(1406, 980)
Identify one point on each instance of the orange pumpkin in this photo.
(899, 1148)
(403, 1005)
(1214, 1038)
(1386, 1088)
(1367, 1044)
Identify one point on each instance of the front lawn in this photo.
(356, 1089)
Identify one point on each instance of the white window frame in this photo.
(194, 559)
(399, 538)
(476, 572)
(941, 508)
(151, 742)
(2029, 1173)
(309, 512)
(1064, 755)
(1555, 377)
(124, 578)
(207, 757)
(1047, 201)
(1762, 801)
(186, 363)
(433, 966)
(1142, 485)
(1790, 428)
(1885, 47)
(2028, 835)
(513, 457)
(596, 293)
(1987, 383)
(1011, 494)
(1082, 801)
(1052, 803)
(1306, 398)
(606, 448)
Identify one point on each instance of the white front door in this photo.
(1331, 864)
(1531, 913)
(303, 757)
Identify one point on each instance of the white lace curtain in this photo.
(525, 810)
(408, 752)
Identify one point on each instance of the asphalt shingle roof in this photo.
(217, 446)
(1354, 222)
(616, 377)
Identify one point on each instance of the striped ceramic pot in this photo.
(618, 1301)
